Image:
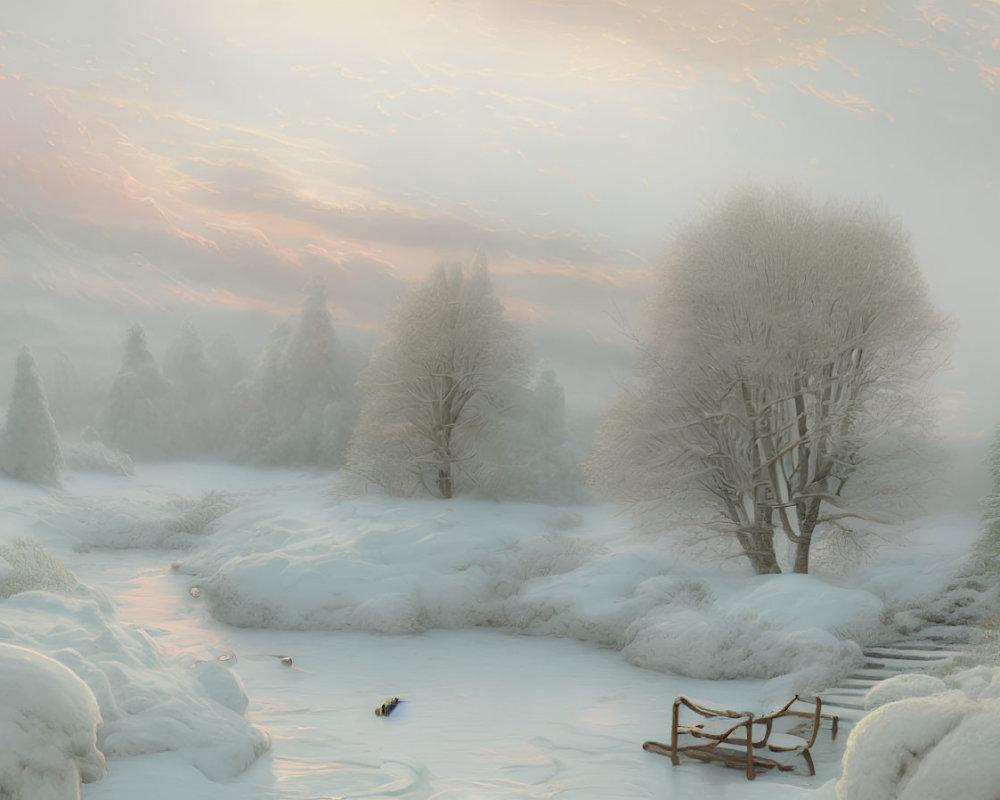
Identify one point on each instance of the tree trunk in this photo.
(444, 480)
(802, 558)
(758, 547)
(802, 546)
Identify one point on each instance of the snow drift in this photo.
(48, 726)
(148, 701)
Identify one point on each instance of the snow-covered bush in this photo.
(927, 747)
(94, 456)
(177, 524)
(29, 444)
(26, 566)
(48, 728)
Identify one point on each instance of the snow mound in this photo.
(410, 565)
(48, 726)
(149, 702)
(923, 748)
(901, 687)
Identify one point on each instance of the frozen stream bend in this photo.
(486, 714)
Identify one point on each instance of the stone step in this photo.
(884, 661)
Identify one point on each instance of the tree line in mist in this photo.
(778, 391)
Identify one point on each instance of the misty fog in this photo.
(400, 330)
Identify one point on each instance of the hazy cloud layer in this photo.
(204, 159)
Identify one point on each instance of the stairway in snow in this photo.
(847, 698)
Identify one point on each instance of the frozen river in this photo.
(485, 714)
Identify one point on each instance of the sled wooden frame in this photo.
(739, 739)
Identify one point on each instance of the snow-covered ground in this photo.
(373, 597)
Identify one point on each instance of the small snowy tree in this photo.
(437, 387)
(139, 417)
(786, 352)
(29, 446)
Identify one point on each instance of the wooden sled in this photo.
(740, 739)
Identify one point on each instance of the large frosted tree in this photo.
(784, 354)
(438, 387)
(139, 417)
(29, 444)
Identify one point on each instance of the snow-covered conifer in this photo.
(297, 408)
(186, 368)
(29, 446)
(139, 417)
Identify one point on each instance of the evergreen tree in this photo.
(139, 417)
(297, 408)
(29, 446)
(186, 368)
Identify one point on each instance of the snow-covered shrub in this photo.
(927, 747)
(887, 747)
(962, 606)
(95, 456)
(48, 728)
(26, 566)
(195, 516)
(178, 524)
(29, 444)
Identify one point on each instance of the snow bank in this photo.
(926, 747)
(149, 702)
(48, 727)
(309, 560)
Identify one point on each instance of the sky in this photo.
(164, 161)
